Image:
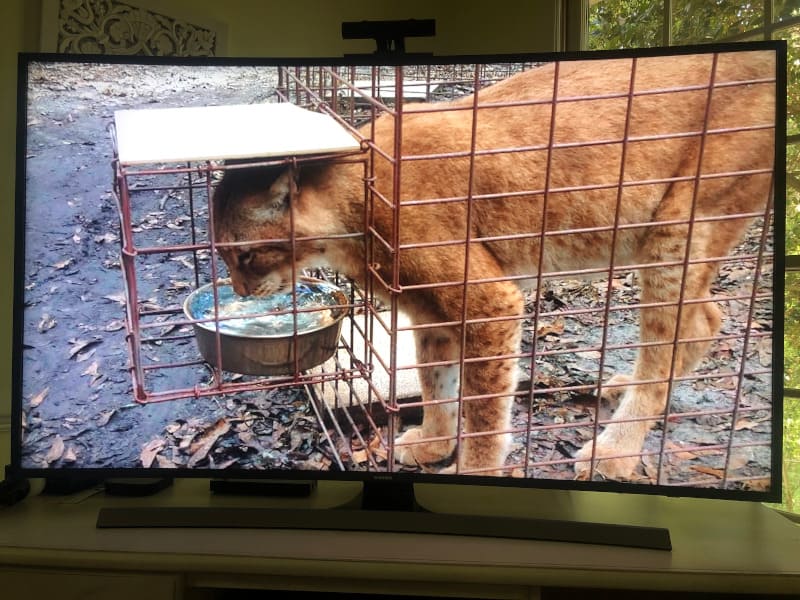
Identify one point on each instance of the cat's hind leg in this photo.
(616, 451)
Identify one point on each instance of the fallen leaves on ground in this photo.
(39, 398)
(200, 448)
(56, 449)
(150, 450)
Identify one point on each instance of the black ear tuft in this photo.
(295, 172)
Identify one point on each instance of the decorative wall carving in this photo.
(111, 27)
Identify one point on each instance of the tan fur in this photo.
(330, 200)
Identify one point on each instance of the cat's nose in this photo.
(240, 287)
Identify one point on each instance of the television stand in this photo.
(49, 544)
(278, 488)
(136, 486)
(388, 495)
(402, 515)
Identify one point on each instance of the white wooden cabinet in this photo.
(50, 548)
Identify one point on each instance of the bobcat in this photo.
(523, 193)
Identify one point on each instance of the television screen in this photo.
(530, 270)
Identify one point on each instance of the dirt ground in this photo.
(79, 401)
(79, 407)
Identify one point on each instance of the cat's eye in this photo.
(245, 258)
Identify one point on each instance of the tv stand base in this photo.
(385, 521)
(136, 487)
(279, 488)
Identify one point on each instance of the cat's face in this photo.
(257, 271)
(252, 209)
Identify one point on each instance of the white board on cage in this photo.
(407, 381)
(227, 132)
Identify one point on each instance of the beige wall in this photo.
(312, 26)
(251, 28)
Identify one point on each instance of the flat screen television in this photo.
(546, 270)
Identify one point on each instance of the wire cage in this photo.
(443, 364)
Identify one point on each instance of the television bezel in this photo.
(79, 474)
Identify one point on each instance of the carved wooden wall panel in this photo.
(111, 27)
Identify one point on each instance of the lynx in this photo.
(521, 194)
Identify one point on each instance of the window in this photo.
(608, 24)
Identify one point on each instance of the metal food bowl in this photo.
(257, 334)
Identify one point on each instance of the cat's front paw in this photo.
(620, 468)
(417, 452)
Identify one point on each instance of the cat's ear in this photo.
(276, 201)
(283, 188)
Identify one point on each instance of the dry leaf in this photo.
(105, 417)
(228, 463)
(737, 460)
(173, 427)
(758, 485)
(250, 440)
(201, 447)
(715, 383)
(46, 323)
(685, 455)
(277, 431)
(712, 452)
(69, 455)
(719, 473)
(554, 328)
(184, 260)
(81, 345)
(93, 371)
(745, 424)
(56, 450)
(164, 463)
(296, 439)
(39, 398)
(84, 356)
(381, 454)
(764, 348)
(150, 450)
(63, 264)
(115, 325)
(375, 449)
(179, 286)
(650, 464)
(680, 454)
(149, 304)
(119, 298)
